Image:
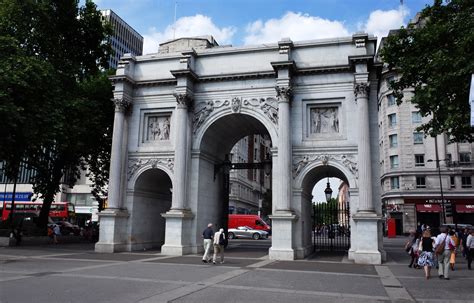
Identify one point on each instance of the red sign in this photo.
(428, 208)
(465, 208)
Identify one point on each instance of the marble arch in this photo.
(316, 99)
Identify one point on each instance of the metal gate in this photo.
(331, 228)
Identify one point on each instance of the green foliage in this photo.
(55, 109)
(435, 57)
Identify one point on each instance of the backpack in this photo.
(222, 239)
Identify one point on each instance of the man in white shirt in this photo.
(470, 248)
(443, 259)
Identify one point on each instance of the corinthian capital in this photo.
(183, 99)
(361, 90)
(121, 104)
(284, 93)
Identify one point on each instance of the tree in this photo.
(435, 57)
(55, 110)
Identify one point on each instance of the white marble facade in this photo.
(179, 113)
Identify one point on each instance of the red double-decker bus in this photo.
(63, 211)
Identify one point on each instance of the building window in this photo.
(466, 181)
(420, 182)
(393, 140)
(394, 182)
(417, 138)
(391, 100)
(415, 117)
(449, 158)
(419, 160)
(393, 161)
(464, 157)
(392, 120)
(452, 181)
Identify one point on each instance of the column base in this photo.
(282, 235)
(113, 231)
(366, 245)
(178, 235)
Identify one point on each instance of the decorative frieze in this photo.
(269, 106)
(347, 160)
(135, 164)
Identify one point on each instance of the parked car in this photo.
(247, 232)
(68, 228)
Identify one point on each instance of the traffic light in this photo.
(449, 209)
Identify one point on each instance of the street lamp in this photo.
(328, 191)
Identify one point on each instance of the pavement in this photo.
(73, 272)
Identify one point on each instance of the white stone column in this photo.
(181, 152)
(178, 218)
(365, 232)
(115, 174)
(113, 220)
(361, 91)
(284, 147)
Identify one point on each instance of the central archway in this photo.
(213, 142)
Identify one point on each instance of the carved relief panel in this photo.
(323, 119)
(156, 127)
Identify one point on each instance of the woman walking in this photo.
(426, 257)
(453, 248)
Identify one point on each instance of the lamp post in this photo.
(437, 160)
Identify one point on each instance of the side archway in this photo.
(149, 197)
(305, 181)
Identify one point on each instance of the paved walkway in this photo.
(74, 273)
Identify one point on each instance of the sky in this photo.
(250, 22)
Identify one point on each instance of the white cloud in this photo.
(296, 26)
(381, 22)
(190, 26)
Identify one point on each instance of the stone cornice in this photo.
(367, 59)
(237, 76)
(290, 65)
(323, 69)
(122, 78)
(185, 73)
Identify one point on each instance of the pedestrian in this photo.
(207, 235)
(426, 259)
(453, 249)
(464, 248)
(442, 248)
(470, 248)
(56, 233)
(413, 250)
(219, 244)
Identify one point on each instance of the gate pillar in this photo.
(113, 235)
(178, 219)
(283, 218)
(365, 248)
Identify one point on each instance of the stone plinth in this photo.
(113, 231)
(282, 235)
(366, 250)
(178, 225)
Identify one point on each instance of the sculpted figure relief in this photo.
(324, 120)
(158, 128)
(201, 115)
